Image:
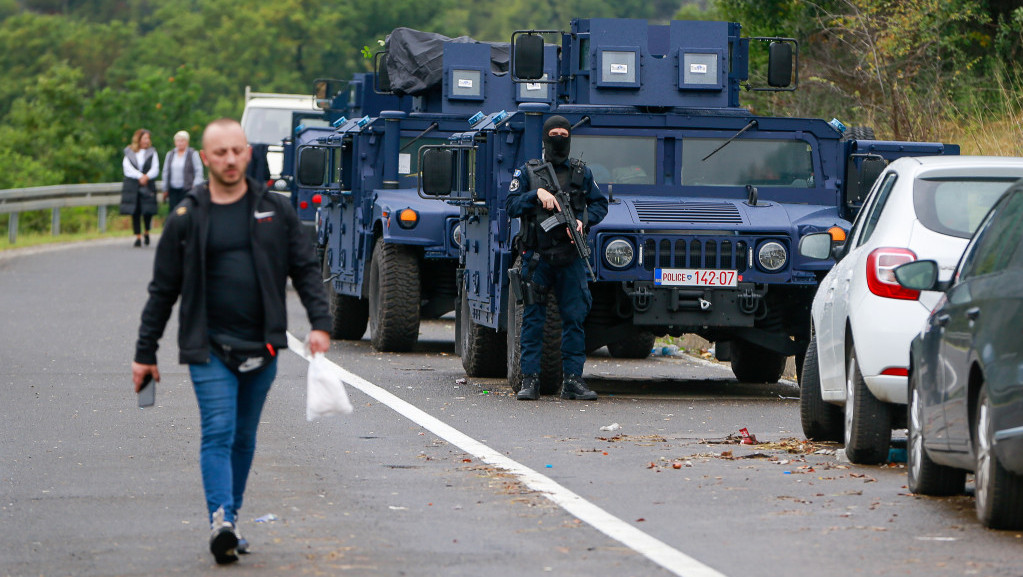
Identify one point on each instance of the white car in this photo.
(267, 120)
(862, 320)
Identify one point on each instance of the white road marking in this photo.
(650, 547)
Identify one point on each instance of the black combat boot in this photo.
(575, 388)
(530, 390)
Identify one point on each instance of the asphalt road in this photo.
(433, 474)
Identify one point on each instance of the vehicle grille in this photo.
(693, 212)
(695, 253)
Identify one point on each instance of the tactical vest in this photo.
(571, 181)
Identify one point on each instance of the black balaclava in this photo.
(556, 148)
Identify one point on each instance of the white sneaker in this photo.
(223, 539)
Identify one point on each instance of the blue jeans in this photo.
(229, 407)
(574, 301)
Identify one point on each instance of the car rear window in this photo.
(955, 206)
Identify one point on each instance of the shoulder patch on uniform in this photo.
(181, 210)
(513, 185)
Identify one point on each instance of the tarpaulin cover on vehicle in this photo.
(415, 59)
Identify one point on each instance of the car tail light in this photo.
(881, 264)
(317, 199)
(896, 372)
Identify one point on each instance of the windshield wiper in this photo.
(420, 135)
(751, 124)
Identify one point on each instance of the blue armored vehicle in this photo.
(390, 256)
(708, 201)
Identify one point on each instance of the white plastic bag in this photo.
(326, 394)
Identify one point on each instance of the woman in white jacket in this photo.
(138, 192)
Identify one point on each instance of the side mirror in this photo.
(816, 246)
(861, 179)
(920, 275)
(869, 172)
(325, 90)
(437, 174)
(312, 164)
(779, 67)
(528, 57)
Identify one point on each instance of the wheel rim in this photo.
(850, 399)
(916, 438)
(982, 476)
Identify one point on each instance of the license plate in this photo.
(696, 277)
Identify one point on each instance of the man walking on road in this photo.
(227, 251)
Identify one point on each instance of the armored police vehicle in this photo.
(390, 255)
(334, 99)
(708, 201)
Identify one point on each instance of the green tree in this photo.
(43, 136)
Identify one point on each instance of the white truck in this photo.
(267, 120)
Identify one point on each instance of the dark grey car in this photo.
(966, 371)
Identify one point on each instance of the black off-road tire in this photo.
(636, 346)
(999, 495)
(754, 364)
(483, 349)
(924, 475)
(859, 133)
(550, 360)
(868, 421)
(394, 298)
(821, 420)
(349, 314)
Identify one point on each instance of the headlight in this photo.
(619, 253)
(772, 256)
(456, 235)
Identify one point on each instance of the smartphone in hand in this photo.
(147, 394)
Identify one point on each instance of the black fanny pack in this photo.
(239, 355)
(560, 255)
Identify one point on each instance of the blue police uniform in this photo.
(569, 281)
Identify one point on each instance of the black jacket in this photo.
(280, 248)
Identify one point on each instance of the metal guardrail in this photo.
(17, 200)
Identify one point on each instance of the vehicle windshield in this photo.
(956, 206)
(618, 159)
(271, 125)
(759, 162)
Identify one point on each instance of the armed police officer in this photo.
(551, 258)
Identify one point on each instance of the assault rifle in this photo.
(543, 176)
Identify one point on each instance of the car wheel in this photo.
(999, 492)
(635, 346)
(754, 364)
(550, 357)
(822, 421)
(482, 348)
(349, 314)
(925, 476)
(393, 298)
(868, 421)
